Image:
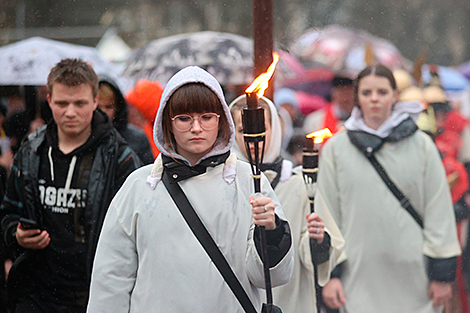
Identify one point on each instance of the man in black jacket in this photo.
(64, 177)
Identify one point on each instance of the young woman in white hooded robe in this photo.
(315, 240)
(394, 264)
(147, 259)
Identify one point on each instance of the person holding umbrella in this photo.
(315, 240)
(384, 183)
(150, 256)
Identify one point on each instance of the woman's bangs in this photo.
(194, 98)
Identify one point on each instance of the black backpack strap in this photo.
(208, 243)
(404, 201)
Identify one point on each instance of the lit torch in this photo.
(254, 133)
(310, 162)
(309, 173)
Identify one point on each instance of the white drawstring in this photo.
(70, 173)
(71, 169)
(51, 163)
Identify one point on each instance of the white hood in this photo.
(401, 111)
(191, 74)
(274, 149)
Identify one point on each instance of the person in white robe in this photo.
(147, 259)
(393, 264)
(316, 239)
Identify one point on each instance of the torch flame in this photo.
(320, 135)
(260, 84)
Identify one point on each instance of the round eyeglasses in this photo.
(207, 121)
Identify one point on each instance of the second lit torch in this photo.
(310, 162)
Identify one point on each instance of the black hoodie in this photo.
(134, 136)
(63, 181)
(68, 195)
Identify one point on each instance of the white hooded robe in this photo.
(386, 248)
(298, 295)
(148, 260)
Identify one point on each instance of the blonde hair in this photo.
(106, 92)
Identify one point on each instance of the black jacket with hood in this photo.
(134, 136)
(111, 160)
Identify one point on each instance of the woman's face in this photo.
(196, 142)
(239, 134)
(376, 99)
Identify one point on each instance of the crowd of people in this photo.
(145, 201)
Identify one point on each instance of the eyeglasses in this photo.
(207, 121)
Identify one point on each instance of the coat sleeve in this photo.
(337, 254)
(327, 205)
(127, 162)
(10, 207)
(282, 272)
(304, 252)
(115, 265)
(440, 233)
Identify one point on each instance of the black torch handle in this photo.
(254, 133)
(310, 172)
(262, 233)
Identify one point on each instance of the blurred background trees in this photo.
(441, 27)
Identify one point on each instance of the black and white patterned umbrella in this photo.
(229, 57)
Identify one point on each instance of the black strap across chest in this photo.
(404, 201)
(369, 144)
(207, 242)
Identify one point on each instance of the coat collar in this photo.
(369, 143)
(178, 171)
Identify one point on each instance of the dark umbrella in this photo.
(228, 57)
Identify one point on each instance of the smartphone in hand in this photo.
(28, 223)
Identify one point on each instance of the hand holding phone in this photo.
(29, 235)
(28, 223)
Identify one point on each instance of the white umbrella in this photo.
(28, 62)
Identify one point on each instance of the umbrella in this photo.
(451, 79)
(228, 57)
(344, 50)
(464, 69)
(28, 62)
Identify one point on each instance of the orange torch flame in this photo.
(320, 135)
(260, 84)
